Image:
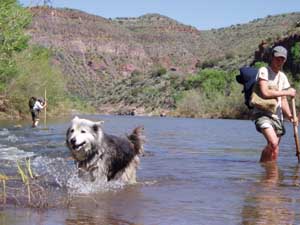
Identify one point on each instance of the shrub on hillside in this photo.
(190, 104)
(158, 72)
(194, 103)
(295, 50)
(260, 64)
(210, 92)
(210, 81)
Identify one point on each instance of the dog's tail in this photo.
(137, 138)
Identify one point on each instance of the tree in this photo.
(13, 21)
(210, 82)
(295, 50)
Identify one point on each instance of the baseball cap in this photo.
(280, 51)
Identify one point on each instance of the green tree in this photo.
(210, 82)
(295, 50)
(13, 20)
(36, 74)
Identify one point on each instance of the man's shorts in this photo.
(34, 114)
(264, 122)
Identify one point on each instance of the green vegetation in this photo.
(210, 93)
(13, 20)
(260, 64)
(35, 74)
(159, 72)
(25, 70)
(295, 50)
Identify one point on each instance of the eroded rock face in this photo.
(112, 45)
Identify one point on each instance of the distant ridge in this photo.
(95, 52)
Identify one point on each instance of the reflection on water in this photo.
(266, 203)
(195, 171)
(107, 207)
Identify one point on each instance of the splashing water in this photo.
(12, 138)
(13, 153)
(4, 132)
(78, 186)
(59, 173)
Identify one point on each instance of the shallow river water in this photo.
(195, 171)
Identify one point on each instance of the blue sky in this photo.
(201, 14)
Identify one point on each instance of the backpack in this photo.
(247, 78)
(31, 102)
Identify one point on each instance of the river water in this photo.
(195, 171)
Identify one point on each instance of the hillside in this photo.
(105, 60)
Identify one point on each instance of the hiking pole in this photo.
(296, 130)
(45, 118)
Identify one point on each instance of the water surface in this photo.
(195, 171)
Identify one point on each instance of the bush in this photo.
(295, 51)
(190, 105)
(13, 20)
(159, 72)
(194, 103)
(209, 63)
(210, 82)
(260, 64)
(35, 76)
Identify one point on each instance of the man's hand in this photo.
(291, 92)
(294, 121)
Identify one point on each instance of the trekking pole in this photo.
(296, 130)
(45, 118)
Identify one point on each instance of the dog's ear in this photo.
(100, 122)
(75, 118)
(97, 125)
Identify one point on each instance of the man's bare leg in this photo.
(270, 152)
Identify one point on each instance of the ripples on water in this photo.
(194, 172)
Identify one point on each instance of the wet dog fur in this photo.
(98, 154)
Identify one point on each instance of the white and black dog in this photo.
(98, 154)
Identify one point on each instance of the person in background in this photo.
(37, 107)
(271, 124)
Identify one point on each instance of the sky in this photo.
(203, 15)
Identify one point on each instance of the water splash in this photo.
(13, 153)
(77, 185)
(54, 171)
(61, 174)
(4, 132)
(13, 138)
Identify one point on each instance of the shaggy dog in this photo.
(98, 154)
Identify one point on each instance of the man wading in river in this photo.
(270, 124)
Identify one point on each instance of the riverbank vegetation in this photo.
(26, 70)
(211, 93)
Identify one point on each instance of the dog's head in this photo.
(82, 138)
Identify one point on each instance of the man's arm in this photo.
(287, 111)
(271, 93)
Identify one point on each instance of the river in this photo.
(195, 171)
